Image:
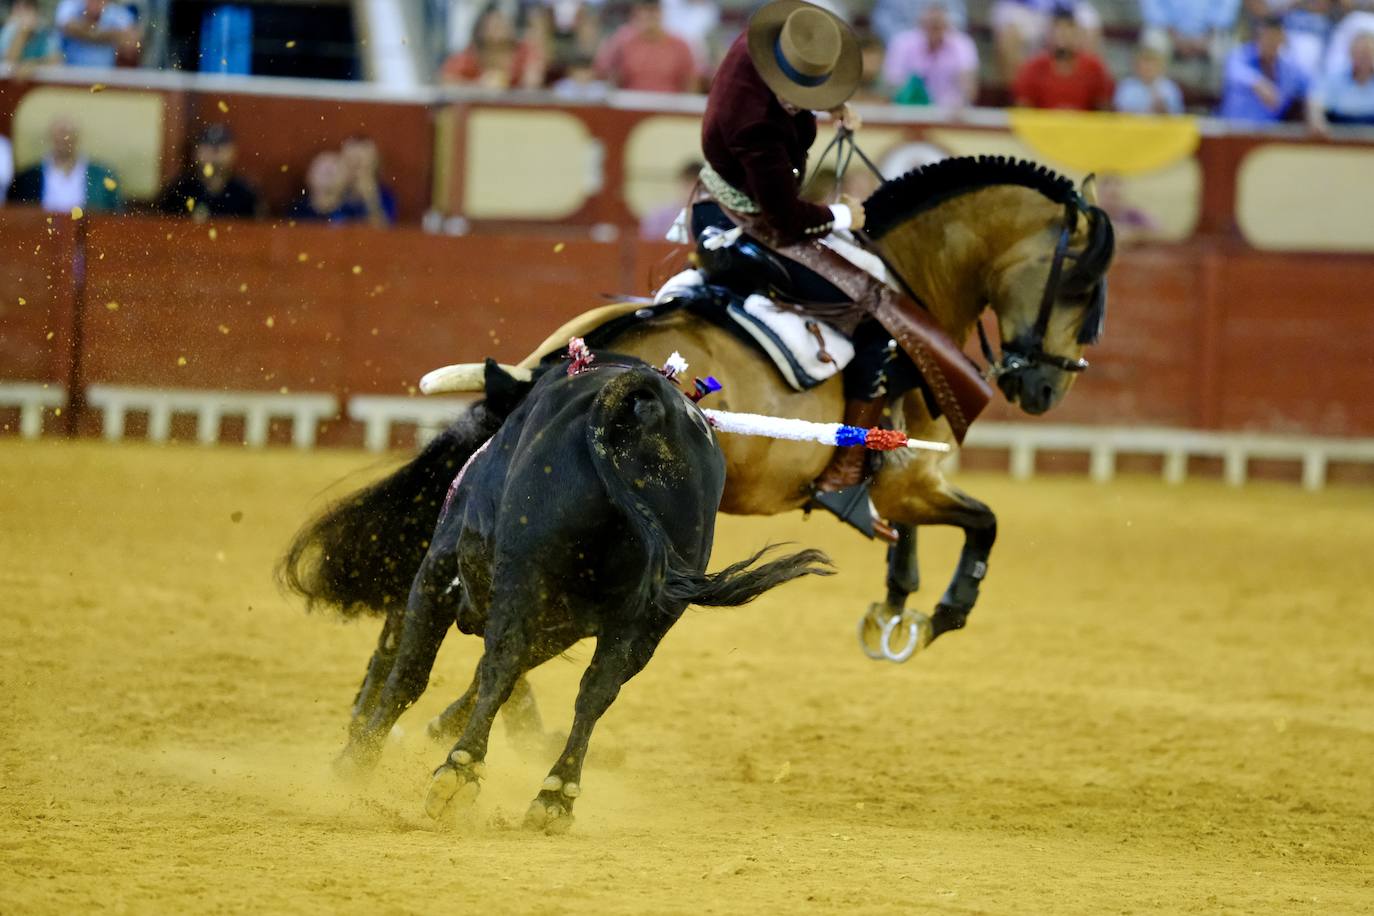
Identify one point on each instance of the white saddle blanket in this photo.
(786, 336)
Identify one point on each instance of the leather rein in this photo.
(1025, 353)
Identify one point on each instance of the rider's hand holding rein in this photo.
(846, 117)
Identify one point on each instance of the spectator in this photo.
(26, 38)
(1337, 59)
(872, 89)
(942, 60)
(210, 187)
(1021, 25)
(1347, 98)
(892, 17)
(574, 32)
(1189, 30)
(323, 196)
(580, 84)
(641, 56)
(1306, 25)
(65, 179)
(1064, 75)
(96, 32)
(694, 21)
(495, 59)
(1149, 91)
(365, 197)
(1261, 81)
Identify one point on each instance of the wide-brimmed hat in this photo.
(807, 55)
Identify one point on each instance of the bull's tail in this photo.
(666, 577)
(360, 554)
(742, 582)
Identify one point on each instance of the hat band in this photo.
(791, 72)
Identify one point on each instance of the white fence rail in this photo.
(257, 409)
(1103, 444)
(32, 399)
(381, 414)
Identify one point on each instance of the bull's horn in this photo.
(466, 377)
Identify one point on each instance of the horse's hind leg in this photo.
(378, 669)
(618, 657)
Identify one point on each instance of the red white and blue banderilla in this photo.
(752, 424)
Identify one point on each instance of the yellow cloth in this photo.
(1102, 142)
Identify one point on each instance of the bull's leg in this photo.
(618, 657)
(422, 631)
(524, 725)
(378, 669)
(508, 656)
(449, 724)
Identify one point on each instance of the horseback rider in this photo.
(794, 59)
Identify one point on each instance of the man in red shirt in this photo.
(641, 56)
(1063, 75)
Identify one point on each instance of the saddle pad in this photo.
(790, 342)
(780, 333)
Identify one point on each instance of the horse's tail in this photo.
(666, 578)
(360, 554)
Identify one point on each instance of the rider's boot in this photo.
(847, 465)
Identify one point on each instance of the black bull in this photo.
(589, 513)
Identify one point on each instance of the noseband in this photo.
(1028, 351)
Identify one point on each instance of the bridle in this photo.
(1028, 351)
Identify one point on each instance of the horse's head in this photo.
(968, 233)
(1049, 291)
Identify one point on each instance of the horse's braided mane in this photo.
(920, 189)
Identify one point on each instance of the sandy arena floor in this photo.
(1164, 702)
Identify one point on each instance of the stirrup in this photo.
(853, 506)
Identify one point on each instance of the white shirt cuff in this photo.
(843, 218)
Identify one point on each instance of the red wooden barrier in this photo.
(1210, 335)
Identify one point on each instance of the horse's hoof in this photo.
(548, 814)
(886, 634)
(449, 792)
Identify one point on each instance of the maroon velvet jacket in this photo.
(759, 148)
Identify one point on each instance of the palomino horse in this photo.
(961, 235)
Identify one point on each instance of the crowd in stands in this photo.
(1246, 60)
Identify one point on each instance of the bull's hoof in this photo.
(549, 813)
(453, 788)
(356, 762)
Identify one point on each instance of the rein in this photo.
(1021, 355)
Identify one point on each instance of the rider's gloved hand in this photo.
(856, 211)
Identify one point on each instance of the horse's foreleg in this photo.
(980, 531)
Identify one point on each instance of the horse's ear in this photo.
(1090, 189)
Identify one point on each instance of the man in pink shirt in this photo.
(641, 56)
(945, 60)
